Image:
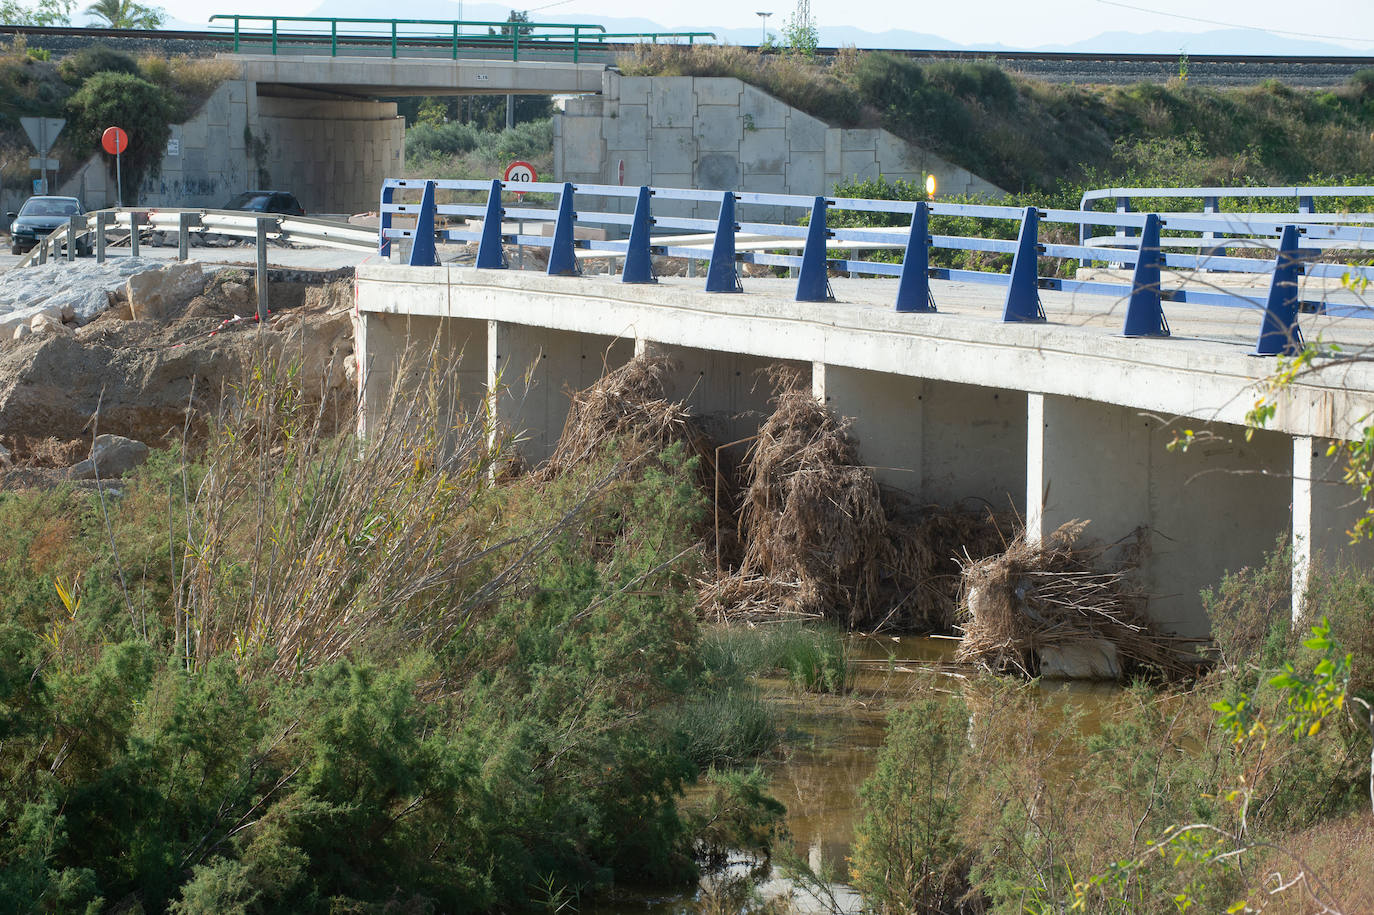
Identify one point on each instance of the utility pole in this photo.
(763, 35)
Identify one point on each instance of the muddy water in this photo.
(830, 746)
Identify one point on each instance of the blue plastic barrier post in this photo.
(384, 223)
(422, 251)
(1144, 313)
(813, 283)
(490, 255)
(562, 260)
(1023, 292)
(639, 266)
(913, 289)
(721, 275)
(1280, 333)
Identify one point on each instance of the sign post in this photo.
(42, 134)
(114, 141)
(521, 173)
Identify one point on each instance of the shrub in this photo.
(97, 58)
(127, 101)
(907, 854)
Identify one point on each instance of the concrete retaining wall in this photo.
(719, 133)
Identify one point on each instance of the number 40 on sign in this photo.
(519, 172)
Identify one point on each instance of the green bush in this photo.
(76, 68)
(127, 101)
(907, 854)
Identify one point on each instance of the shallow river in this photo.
(830, 747)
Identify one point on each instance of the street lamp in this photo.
(763, 35)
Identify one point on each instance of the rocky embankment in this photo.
(100, 362)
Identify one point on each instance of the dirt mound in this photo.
(1060, 598)
(144, 375)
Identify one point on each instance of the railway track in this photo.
(1201, 69)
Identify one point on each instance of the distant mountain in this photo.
(1217, 41)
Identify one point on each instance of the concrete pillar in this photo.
(532, 373)
(1325, 510)
(1220, 506)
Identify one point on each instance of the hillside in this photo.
(1036, 137)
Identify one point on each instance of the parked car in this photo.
(266, 202)
(38, 217)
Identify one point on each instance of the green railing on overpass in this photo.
(398, 32)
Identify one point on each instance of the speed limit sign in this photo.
(519, 172)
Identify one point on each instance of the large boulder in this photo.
(157, 295)
(111, 456)
(1089, 659)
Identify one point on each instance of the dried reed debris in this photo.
(1033, 600)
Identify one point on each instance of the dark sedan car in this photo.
(266, 202)
(38, 217)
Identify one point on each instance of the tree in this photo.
(124, 100)
(800, 31)
(126, 14)
(46, 13)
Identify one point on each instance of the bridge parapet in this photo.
(824, 250)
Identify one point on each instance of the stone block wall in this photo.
(333, 155)
(719, 133)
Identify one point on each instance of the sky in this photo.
(1013, 23)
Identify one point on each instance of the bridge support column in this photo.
(939, 441)
(1324, 510)
(1225, 497)
(532, 372)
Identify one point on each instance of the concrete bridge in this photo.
(1021, 390)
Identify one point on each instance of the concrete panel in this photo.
(672, 150)
(730, 392)
(398, 346)
(629, 129)
(759, 110)
(974, 444)
(536, 372)
(582, 146)
(718, 90)
(859, 163)
(833, 162)
(805, 133)
(718, 128)
(672, 102)
(719, 172)
(899, 158)
(764, 152)
(806, 173)
(1218, 507)
(634, 90)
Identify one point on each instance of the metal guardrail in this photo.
(1210, 199)
(92, 233)
(1279, 332)
(401, 33)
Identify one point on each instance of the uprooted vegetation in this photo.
(1064, 597)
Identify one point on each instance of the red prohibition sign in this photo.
(114, 140)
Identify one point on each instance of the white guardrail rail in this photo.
(101, 229)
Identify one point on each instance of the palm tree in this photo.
(126, 14)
